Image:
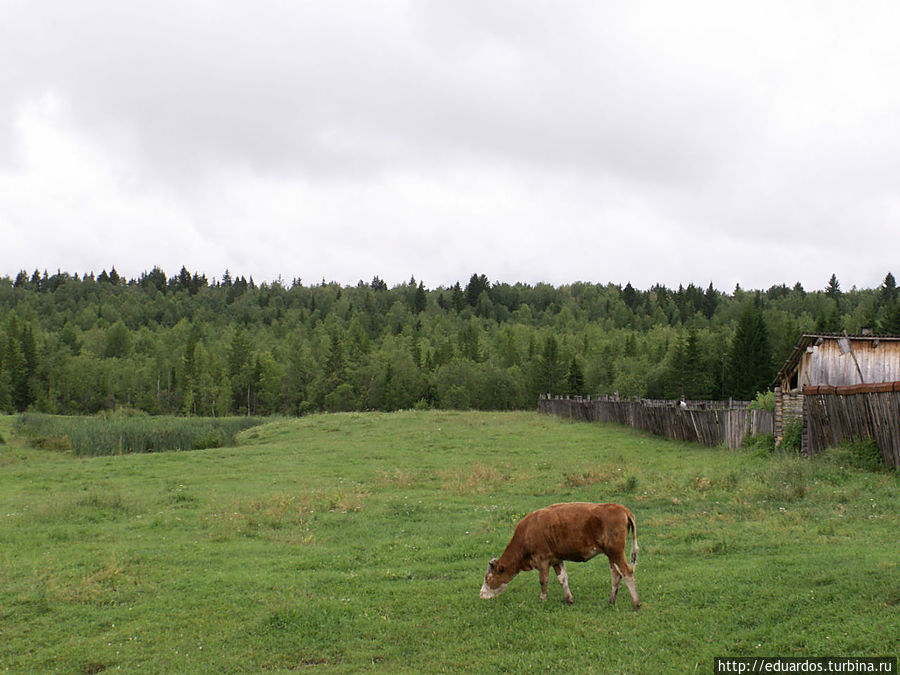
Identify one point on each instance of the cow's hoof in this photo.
(570, 601)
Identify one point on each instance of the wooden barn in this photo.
(840, 366)
(840, 360)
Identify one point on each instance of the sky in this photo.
(752, 143)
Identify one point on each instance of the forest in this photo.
(188, 345)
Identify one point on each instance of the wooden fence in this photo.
(835, 414)
(708, 422)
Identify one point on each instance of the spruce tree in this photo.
(890, 319)
(550, 369)
(5, 390)
(749, 366)
(419, 299)
(575, 379)
(478, 284)
(833, 289)
(888, 291)
(710, 301)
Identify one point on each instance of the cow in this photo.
(567, 532)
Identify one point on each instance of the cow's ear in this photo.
(493, 563)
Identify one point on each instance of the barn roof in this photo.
(808, 339)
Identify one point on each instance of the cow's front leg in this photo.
(544, 571)
(616, 578)
(563, 577)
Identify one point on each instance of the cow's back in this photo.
(575, 531)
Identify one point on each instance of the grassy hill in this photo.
(357, 542)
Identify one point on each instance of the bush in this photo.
(792, 441)
(630, 484)
(861, 453)
(765, 400)
(761, 444)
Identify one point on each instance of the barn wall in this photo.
(826, 364)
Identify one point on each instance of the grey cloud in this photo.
(722, 124)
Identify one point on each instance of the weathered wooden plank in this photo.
(707, 422)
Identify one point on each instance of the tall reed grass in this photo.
(120, 434)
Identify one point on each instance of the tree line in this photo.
(188, 345)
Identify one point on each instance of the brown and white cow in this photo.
(577, 532)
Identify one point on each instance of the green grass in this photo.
(358, 542)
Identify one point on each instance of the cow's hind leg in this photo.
(616, 578)
(635, 602)
(622, 570)
(563, 577)
(544, 571)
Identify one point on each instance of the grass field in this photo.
(358, 542)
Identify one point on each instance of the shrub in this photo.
(630, 484)
(792, 441)
(861, 453)
(760, 444)
(765, 400)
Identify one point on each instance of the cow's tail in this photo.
(632, 525)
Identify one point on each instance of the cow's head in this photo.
(495, 581)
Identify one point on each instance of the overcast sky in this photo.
(652, 142)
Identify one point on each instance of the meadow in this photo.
(358, 542)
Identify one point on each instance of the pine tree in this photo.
(457, 298)
(888, 291)
(696, 384)
(575, 379)
(478, 284)
(334, 366)
(156, 278)
(749, 365)
(6, 388)
(419, 300)
(833, 289)
(629, 296)
(890, 319)
(710, 301)
(550, 369)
